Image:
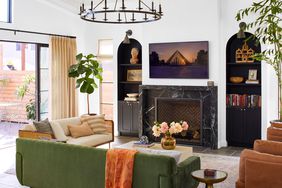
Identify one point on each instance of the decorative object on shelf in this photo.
(252, 74)
(268, 31)
(245, 54)
(179, 60)
(210, 83)
(168, 142)
(134, 75)
(103, 12)
(87, 70)
(236, 79)
(131, 97)
(252, 77)
(134, 56)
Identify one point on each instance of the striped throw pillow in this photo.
(97, 122)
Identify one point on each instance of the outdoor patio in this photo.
(8, 134)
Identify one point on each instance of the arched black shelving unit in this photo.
(128, 112)
(243, 111)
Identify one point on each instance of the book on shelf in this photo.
(243, 101)
(133, 99)
(252, 82)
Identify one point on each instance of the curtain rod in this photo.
(37, 33)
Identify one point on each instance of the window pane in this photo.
(107, 109)
(107, 93)
(105, 47)
(4, 11)
(107, 71)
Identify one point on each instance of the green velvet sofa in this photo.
(45, 164)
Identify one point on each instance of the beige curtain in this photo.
(63, 95)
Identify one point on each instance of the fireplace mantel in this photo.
(208, 95)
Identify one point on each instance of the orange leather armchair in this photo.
(261, 167)
(274, 132)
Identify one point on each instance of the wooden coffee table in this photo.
(185, 151)
(209, 180)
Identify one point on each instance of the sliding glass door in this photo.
(24, 82)
(42, 81)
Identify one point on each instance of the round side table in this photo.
(209, 180)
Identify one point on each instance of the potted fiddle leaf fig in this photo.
(87, 70)
(267, 23)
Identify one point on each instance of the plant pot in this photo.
(168, 142)
(276, 123)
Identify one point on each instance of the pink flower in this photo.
(172, 129)
(185, 126)
(164, 127)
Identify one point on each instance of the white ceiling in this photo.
(70, 5)
(73, 5)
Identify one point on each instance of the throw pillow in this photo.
(97, 123)
(80, 130)
(43, 126)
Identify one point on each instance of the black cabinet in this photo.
(128, 118)
(243, 126)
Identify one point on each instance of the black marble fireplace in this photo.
(195, 104)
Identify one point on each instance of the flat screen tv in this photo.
(179, 60)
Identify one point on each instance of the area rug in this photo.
(228, 164)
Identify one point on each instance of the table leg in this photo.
(209, 185)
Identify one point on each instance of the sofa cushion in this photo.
(58, 131)
(43, 126)
(68, 121)
(81, 130)
(92, 140)
(97, 123)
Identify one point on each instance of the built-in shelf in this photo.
(131, 65)
(243, 123)
(126, 82)
(244, 84)
(243, 64)
(240, 107)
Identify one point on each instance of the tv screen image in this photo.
(179, 60)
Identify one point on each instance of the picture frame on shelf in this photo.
(134, 75)
(252, 74)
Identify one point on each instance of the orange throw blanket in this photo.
(119, 168)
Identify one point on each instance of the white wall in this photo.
(184, 20)
(190, 20)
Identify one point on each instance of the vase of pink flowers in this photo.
(167, 130)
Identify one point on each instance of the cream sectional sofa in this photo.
(62, 133)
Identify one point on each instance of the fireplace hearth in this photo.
(179, 109)
(195, 104)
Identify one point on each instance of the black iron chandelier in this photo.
(119, 13)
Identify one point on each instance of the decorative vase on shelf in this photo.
(168, 142)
